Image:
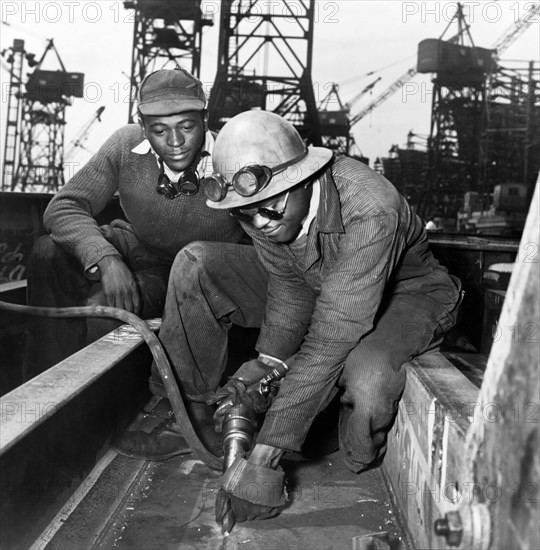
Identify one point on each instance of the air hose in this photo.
(171, 387)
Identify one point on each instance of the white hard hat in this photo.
(257, 155)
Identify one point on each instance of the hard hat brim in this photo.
(315, 160)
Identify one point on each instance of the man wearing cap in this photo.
(155, 168)
(354, 292)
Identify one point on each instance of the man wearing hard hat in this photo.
(155, 167)
(354, 292)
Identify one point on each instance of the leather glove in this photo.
(249, 491)
(252, 372)
(241, 389)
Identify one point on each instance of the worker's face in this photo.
(294, 204)
(176, 138)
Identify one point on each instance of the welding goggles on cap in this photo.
(248, 181)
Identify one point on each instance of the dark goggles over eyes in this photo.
(248, 181)
(264, 211)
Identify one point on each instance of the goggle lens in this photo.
(187, 185)
(251, 179)
(215, 187)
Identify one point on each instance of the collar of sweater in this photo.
(204, 167)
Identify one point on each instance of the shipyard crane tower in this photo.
(335, 123)
(512, 127)
(34, 147)
(166, 33)
(475, 102)
(459, 95)
(264, 62)
(16, 57)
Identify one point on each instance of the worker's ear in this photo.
(140, 120)
(204, 115)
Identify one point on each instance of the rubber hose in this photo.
(164, 367)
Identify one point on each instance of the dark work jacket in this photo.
(364, 244)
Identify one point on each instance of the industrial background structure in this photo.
(485, 116)
(470, 472)
(165, 34)
(34, 144)
(485, 122)
(284, 84)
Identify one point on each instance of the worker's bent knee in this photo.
(373, 378)
(96, 297)
(196, 257)
(45, 250)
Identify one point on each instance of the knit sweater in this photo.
(161, 224)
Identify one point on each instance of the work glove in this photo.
(242, 389)
(249, 491)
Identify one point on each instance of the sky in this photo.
(351, 39)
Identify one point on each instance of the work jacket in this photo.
(364, 244)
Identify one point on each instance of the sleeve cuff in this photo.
(92, 273)
(242, 477)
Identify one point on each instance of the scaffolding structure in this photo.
(166, 34)
(334, 123)
(511, 138)
(34, 148)
(457, 122)
(15, 60)
(264, 62)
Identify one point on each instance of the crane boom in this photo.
(516, 29)
(82, 136)
(394, 87)
(367, 89)
(507, 38)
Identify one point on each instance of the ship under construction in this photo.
(461, 468)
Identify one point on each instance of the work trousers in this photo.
(211, 287)
(214, 285)
(56, 279)
(374, 373)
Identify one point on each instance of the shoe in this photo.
(201, 416)
(159, 407)
(163, 442)
(166, 439)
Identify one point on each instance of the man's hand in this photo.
(251, 491)
(235, 391)
(119, 285)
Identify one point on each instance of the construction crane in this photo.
(78, 141)
(516, 29)
(167, 33)
(284, 84)
(35, 123)
(506, 39)
(361, 94)
(334, 123)
(381, 98)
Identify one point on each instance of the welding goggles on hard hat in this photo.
(248, 181)
(258, 155)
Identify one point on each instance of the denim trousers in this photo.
(215, 285)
